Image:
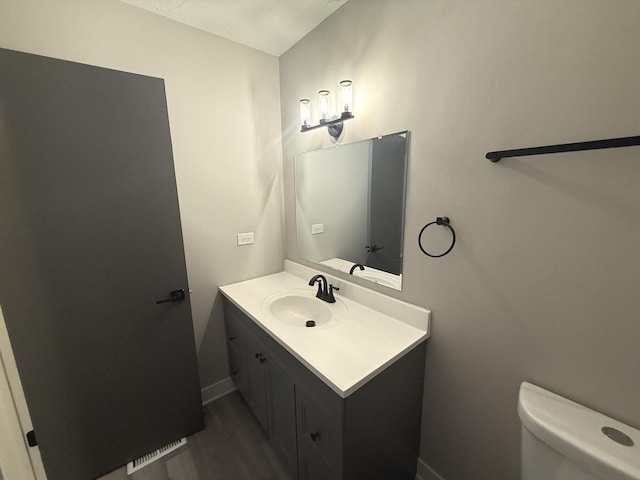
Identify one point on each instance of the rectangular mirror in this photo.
(350, 202)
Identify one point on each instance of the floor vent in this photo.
(145, 460)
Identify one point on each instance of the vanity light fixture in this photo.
(334, 123)
(346, 96)
(305, 113)
(324, 102)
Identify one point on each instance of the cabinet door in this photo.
(282, 414)
(319, 440)
(314, 467)
(257, 394)
(236, 348)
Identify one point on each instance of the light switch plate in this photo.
(245, 238)
(317, 228)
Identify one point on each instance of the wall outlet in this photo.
(245, 238)
(317, 228)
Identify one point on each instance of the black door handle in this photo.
(372, 248)
(174, 296)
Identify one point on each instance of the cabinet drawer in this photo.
(319, 432)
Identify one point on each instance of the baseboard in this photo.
(425, 472)
(217, 390)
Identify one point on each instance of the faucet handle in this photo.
(330, 297)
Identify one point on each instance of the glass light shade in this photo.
(346, 96)
(305, 112)
(324, 102)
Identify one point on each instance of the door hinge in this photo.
(31, 439)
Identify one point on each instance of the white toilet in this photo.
(562, 440)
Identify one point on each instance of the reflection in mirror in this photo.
(350, 207)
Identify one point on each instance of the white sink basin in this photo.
(298, 310)
(297, 307)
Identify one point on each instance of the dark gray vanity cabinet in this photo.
(374, 433)
(256, 382)
(282, 413)
(236, 351)
(319, 439)
(264, 384)
(246, 362)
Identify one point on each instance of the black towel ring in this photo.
(438, 221)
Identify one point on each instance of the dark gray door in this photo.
(90, 239)
(386, 203)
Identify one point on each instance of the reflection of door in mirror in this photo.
(386, 203)
(350, 207)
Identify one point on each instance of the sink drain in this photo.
(310, 323)
(618, 436)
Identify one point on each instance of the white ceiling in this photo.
(272, 26)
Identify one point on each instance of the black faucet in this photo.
(325, 291)
(359, 265)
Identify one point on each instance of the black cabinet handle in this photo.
(174, 296)
(314, 436)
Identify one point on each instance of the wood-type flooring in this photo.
(232, 446)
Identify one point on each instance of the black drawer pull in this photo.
(314, 436)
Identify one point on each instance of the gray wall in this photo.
(227, 153)
(543, 283)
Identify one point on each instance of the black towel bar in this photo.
(565, 147)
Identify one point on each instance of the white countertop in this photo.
(345, 354)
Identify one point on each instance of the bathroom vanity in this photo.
(342, 399)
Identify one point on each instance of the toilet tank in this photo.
(562, 440)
